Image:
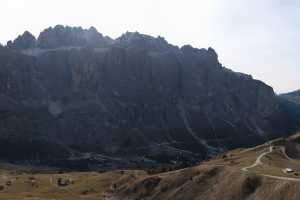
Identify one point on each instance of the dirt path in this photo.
(259, 162)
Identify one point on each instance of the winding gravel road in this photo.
(259, 162)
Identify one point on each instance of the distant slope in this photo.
(290, 104)
(293, 96)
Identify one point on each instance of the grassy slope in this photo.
(219, 178)
(89, 185)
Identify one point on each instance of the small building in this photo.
(288, 170)
(8, 183)
(63, 182)
(33, 182)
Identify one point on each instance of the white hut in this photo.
(288, 170)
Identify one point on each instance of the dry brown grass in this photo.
(218, 179)
(89, 185)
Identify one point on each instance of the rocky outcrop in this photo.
(139, 41)
(61, 36)
(24, 41)
(133, 96)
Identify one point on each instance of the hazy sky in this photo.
(258, 37)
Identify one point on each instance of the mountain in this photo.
(290, 104)
(75, 94)
(293, 96)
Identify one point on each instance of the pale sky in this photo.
(257, 37)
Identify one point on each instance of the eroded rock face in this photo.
(136, 95)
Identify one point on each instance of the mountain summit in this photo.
(24, 41)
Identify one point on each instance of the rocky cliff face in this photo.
(133, 96)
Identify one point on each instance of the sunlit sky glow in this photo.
(258, 37)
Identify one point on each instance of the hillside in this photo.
(241, 174)
(73, 95)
